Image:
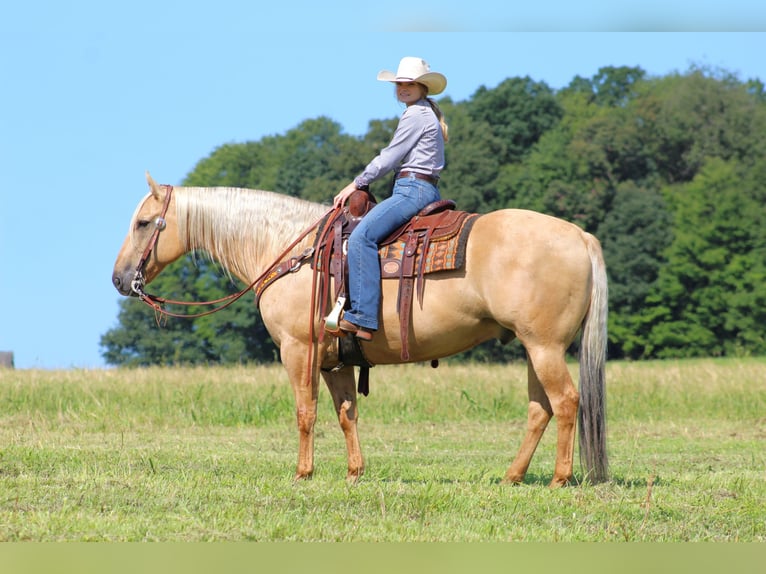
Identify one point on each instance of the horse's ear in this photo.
(155, 189)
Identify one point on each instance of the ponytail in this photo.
(440, 116)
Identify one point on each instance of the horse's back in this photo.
(528, 240)
(533, 271)
(516, 224)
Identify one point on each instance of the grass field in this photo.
(204, 454)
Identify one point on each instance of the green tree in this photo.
(472, 158)
(564, 173)
(634, 235)
(708, 300)
(312, 161)
(253, 165)
(699, 116)
(519, 111)
(317, 160)
(615, 86)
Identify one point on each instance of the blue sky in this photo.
(95, 93)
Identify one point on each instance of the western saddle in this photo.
(406, 255)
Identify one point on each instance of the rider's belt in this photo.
(416, 175)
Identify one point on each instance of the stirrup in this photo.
(332, 320)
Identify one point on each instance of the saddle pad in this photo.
(443, 254)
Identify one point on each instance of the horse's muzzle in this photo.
(124, 284)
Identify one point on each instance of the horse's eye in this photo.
(142, 223)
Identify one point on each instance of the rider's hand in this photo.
(343, 195)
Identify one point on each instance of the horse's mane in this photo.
(243, 229)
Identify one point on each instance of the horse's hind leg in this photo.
(551, 393)
(538, 416)
(343, 390)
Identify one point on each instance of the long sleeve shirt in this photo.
(417, 145)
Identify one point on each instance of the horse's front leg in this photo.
(343, 390)
(304, 380)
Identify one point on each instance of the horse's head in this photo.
(152, 242)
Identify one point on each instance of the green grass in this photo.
(209, 454)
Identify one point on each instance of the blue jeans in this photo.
(410, 195)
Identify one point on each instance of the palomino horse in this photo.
(526, 275)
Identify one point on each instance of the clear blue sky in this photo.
(95, 92)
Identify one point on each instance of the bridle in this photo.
(137, 284)
(273, 272)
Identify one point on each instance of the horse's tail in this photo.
(592, 412)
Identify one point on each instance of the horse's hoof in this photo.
(512, 480)
(353, 477)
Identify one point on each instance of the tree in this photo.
(699, 116)
(615, 86)
(564, 173)
(253, 165)
(316, 160)
(634, 236)
(708, 299)
(312, 161)
(473, 160)
(519, 111)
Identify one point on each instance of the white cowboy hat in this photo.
(416, 70)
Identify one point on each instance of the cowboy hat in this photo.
(416, 70)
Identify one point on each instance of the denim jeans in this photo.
(410, 195)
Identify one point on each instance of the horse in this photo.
(526, 275)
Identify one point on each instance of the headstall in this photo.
(273, 272)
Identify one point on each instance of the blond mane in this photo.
(245, 230)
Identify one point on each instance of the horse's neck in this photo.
(244, 230)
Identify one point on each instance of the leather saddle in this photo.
(404, 254)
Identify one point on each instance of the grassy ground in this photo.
(209, 454)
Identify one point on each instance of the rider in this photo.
(416, 152)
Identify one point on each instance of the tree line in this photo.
(668, 172)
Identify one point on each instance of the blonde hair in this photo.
(440, 116)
